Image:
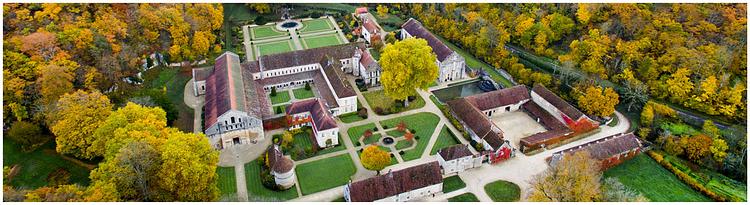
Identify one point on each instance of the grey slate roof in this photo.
(416, 29)
(455, 152)
(499, 98)
(308, 56)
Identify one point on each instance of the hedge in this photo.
(685, 177)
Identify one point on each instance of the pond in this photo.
(457, 91)
(388, 140)
(289, 24)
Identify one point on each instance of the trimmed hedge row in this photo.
(454, 121)
(685, 177)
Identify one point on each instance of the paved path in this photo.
(196, 103)
(246, 42)
(239, 175)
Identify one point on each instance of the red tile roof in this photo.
(395, 182)
(321, 118)
(499, 98)
(455, 152)
(558, 102)
(224, 88)
(361, 10)
(368, 61)
(277, 161)
(370, 26)
(415, 28)
(555, 128)
(308, 56)
(607, 147)
(336, 77)
(477, 121)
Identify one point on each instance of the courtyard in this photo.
(517, 125)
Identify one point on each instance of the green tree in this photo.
(76, 117)
(407, 65)
(373, 158)
(26, 133)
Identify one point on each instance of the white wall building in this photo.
(408, 184)
(452, 66)
(458, 158)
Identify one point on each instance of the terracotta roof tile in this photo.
(224, 88)
(336, 78)
(608, 146)
(322, 119)
(368, 61)
(308, 56)
(499, 98)
(396, 182)
(477, 121)
(455, 152)
(558, 102)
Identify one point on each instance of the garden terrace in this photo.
(423, 124)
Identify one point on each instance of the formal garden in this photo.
(273, 47)
(317, 175)
(445, 139)
(254, 172)
(303, 93)
(265, 32)
(384, 105)
(465, 197)
(322, 40)
(453, 183)
(315, 25)
(299, 144)
(503, 191)
(421, 125)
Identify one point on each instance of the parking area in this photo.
(517, 125)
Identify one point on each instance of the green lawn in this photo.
(274, 48)
(453, 183)
(375, 138)
(445, 139)
(325, 173)
(281, 97)
(302, 93)
(174, 80)
(37, 165)
(336, 148)
(227, 181)
(465, 197)
(321, 41)
(651, 179)
(503, 191)
(255, 187)
(403, 144)
(423, 124)
(716, 182)
(303, 140)
(475, 63)
(395, 133)
(378, 99)
(356, 132)
(280, 109)
(316, 25)
(350, 117)
(269, 31)
(388, 18)
(375, 54)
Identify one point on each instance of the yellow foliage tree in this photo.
(382, 10)
(407, 65)
(189, 168)
(575, 178)
(373, 158)
(132, 122)
(597, 101)
(76, 117)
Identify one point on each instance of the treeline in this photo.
(689, 54)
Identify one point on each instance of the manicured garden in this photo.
(302, 93)
(227, 181)
(316, 25)
(356, 132)
(266, 31)
(274, 48)
(384, 105)
(503, 191)
(653, 181)
(37, 166)
(375, 138)
(453, 183)
(325, 174)
(445, 139)
(423, 125)
(465, 197)
(321, 40)
(281, 97)
(255, 186)
(350, 117)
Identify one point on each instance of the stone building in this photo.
(609, 151)
(313, 113)
(282, 168)
(398, 186)
(451, 65)
(458, 158)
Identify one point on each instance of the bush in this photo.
(307, 85)
(259, 20)
(378, 110)
(58, 177)
(278, 110)
(416, 137)
(357, 144)
(26, 133)
(385, 126)
(362, 112)
(375, 129)
(273, 91)
(401, 152)
(413, 131)
(315, 15)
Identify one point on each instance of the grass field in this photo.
(453, 183)
(255, 187)
(503, 191)
(325, 173)
(388, 19)
(281, 97)
(423, 124)
(403, 144)
(378, 99)
(356, 132)
(37, 165)
(336, 148)
(716, 182)
(302, 93)
(653, 181)
(321, 41)
(227, 181)
(375, 138)
(475, 63)
(266, 31)
(273, 48)
(350, 117)
(465, 197)
(174, 80)
(445, 139)
(316, 25)
(303, 140)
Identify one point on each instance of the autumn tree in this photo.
(133, 170)
(75, 118)
(407, 65)
(575, 178)
(614, 191)
(26, 133)
(598, 101)
(191, 175)
(697, 146)
(54, 82)
(131, 122)
(373, 158)
(409, 136)
(382, 10)
(260, 8)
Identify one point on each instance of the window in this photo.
(232, 119)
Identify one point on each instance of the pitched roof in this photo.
(321, 118)
(308, 56)
(201, 74)
(608, 146)
(277, 161)
(337, 80)
(224, 88)
(455, 152)
(370, 26)
(361, 10)
(476, 121)
(368, 61)
(499, 98)
(558, 102)
(416, 29)
(255, 97)
(395, 182)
